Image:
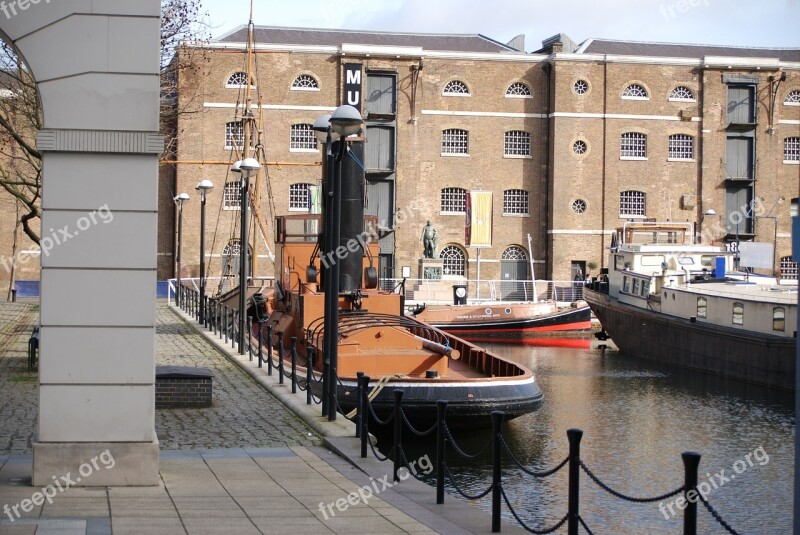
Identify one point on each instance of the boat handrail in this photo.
(485, 290)
(785, 295)
(656, 226)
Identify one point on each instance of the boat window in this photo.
(702, 305)
(619, 262)
(626, 284)
(645, 288)
(685, 260)
(738, 314)
(652, 260)
(636, 286)
(778, 319)
(708, 260)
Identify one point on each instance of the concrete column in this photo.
(96, 63)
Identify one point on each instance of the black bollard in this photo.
(574, 436)
(294, 364)
(497, 423)
(250, 337)
(691, 462)
(365, 419)
(225, 323)
(359, 407)
(280, 357)
(260, 343)
(269, 349)
(441, 415)
(309, 373)
(398, 431)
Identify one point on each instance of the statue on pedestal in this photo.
(430, 240)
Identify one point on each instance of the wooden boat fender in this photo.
(441, 349)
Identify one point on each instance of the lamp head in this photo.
(204, 186)
(710, 212)
(320, 128)
(181, 198)
(249, 167)
(236, 167)
(346, 120)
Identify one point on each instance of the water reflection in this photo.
(637, 418)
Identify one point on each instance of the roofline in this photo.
(591, 40)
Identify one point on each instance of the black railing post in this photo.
(325, 381)
(225, 322)
(441, 415)
(359, 407)
(497, 423)
(250, 337)
(234, 325)
(260, 343)
(691, 462)
(365, 419)
(280, 357)
(398, 432)
(269, 349)
(294, 364)
(574, 436)
(309, 373)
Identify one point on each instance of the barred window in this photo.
(456, 87)
(791, 149)
(455, 141)
(299, 198)
(454, 260)
(792, 98)
(237, 80)
(581, 87)
(579, 206)
(305, 82)
(580, 147)
(635, 91)
(738, 314)
(518, 89)
(681, 147)
(515, 202)
(633, 145)
(631, 203)
(234, 135)
(302, 138)
(702, 307)
(517, 143)
(681, 93)
(788, 268)
(514, 252)
(454, 200)
(232, 196)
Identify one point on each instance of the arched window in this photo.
(456, 87)
(631, 203)
(791, 149)
(788, 268)
(702, 307)
(231, 196)
(778, 319)
(305, 82)
(517, 144)
(680, 147)
(738, 313)
(514, 252)
(231, 256)
(635, 91)
(302, 138)
(792, 98)
(455, 141)
(518, 90)
(237, 80)
(515, 202)
(681, 93)
(454, 201)
(454, 261)
(633, 145)
(299, 197)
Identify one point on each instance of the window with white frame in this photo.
(456, 87)
(299, 198)
(580, 147)
(681, 93)
(631, 203)
(455, 141)
(517, 143)
(302, 138)
(305, 82)
(515, 202)
(232, 196)
(778, 319)
(681, 147)
(578, 206)
(792, 98)
(454, 201)
(237, 80)
(454, 260)
(514, 252)
(580, 87)
(738, 314)
(788, 268)
(519, 90)
(791, 149)
(635, 91)
(234, 135)
(633, 145)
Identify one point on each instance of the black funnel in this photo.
(352, 219)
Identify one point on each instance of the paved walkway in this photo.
(19, 395)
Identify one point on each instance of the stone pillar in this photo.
(96, 64)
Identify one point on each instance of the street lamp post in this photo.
(345, 121)
(179, 200)
(203, 188)
(248, 168)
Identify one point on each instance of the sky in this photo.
(752, 23)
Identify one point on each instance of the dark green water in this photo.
(637, 418)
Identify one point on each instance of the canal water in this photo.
(637, 418)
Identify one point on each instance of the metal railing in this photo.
(486, 290)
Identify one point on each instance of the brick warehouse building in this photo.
(571, 142)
